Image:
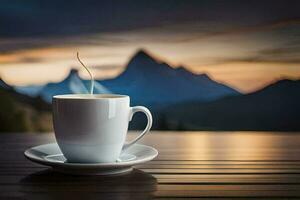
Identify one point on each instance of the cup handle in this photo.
(134, 110)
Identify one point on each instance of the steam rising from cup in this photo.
(91, 75)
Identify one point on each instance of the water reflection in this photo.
(52, 185)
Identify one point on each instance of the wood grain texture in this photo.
(204, 165)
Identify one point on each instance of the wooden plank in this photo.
(190, 164)
(222, 171)
(228, 166)
(229, 194)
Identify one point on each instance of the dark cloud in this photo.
(24, 60)
(10, 45)
(284, 55)
(175, 33)
(35, 18)
(29, 60)
(244, 29)
(257, 59)
(106, 67)
(33, 24)
(288, 51)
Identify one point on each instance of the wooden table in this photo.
(190, 164)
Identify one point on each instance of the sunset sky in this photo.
(245, 44)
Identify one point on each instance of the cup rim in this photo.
(90, 96)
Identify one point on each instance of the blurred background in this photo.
(198, 65)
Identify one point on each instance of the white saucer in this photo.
(50, 155)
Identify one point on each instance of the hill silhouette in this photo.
(275, 107)
(152, 82)
(21, 113)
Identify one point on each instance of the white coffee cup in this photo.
(93, 128)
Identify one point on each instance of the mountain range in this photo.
(151, 82)
(182, 100)
(146, 80)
